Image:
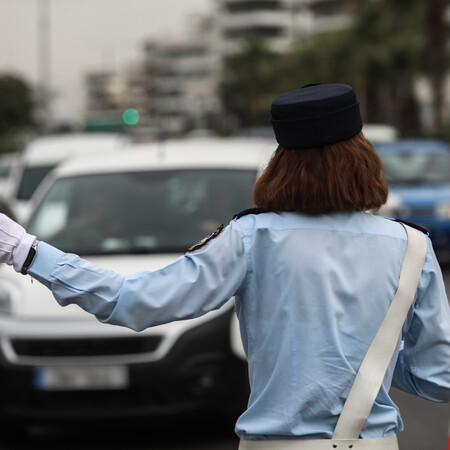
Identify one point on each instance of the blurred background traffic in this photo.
(170, 101)
(213, 66)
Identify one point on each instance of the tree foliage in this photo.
(390, 42)
(16, 104)
(16, 110)
(381, 55)
(249, 82)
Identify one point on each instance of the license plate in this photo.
(80, 378)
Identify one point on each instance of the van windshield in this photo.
(140, 212)
(31, 179)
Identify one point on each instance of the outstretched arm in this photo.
(192, 285)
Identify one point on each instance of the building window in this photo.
(255, 32)
(253, 5)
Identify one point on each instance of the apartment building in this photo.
(105, 92)
(280, 22)
(175, 85)
(181, 83)
(271, 20)
(312, 17)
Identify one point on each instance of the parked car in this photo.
(42, 154)
(418, 173)
(134, 210)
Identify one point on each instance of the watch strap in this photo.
(30, 257)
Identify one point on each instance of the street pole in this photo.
(44, 62)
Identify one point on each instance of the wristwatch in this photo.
(30, 257)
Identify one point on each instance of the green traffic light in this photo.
(130, 116)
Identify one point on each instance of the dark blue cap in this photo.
(316, 115)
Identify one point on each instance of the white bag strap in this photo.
(373, 368)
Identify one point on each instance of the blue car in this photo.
(418, 173)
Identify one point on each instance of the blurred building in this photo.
(280, 22)
(180, 83)
(270, 20)
(105, 92)
(311, 17)
(175, 85)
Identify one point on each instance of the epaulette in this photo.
(205, 240)
(413, 225)
(246, 212)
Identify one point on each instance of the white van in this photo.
(135, 210)
(43, 154)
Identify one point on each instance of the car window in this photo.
(31, 178)
(163, 211)
(5, 170)
(416, 167)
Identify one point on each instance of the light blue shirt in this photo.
(311, 292)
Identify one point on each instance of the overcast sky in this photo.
(86, 35)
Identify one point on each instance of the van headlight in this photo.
(9, 298)
(443, 211)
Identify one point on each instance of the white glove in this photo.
(15, 243)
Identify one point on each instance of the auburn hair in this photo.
(343, 176)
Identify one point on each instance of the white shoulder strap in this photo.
(373, 368)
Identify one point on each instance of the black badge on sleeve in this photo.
(205, 240)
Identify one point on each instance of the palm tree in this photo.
(381, 55)
(437, 54)
(248, 82)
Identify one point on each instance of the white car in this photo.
(133, 210)
(43, 154)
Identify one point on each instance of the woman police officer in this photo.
(313, 275)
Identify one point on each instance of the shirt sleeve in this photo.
(192, 285)
(423, 365)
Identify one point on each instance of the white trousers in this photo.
(322, 444)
